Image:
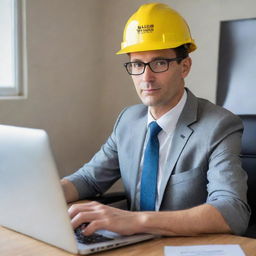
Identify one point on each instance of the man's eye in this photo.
(137, 64)
(160, 63)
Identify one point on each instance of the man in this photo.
(177, 155)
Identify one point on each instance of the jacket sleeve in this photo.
(227, 181)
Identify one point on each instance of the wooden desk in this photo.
(15, 244)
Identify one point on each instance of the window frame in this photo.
(20, 61)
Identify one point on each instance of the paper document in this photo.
(204, 250)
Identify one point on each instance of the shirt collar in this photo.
(169, 120)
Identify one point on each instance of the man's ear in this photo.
(186, 66)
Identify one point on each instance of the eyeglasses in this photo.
(156, 66)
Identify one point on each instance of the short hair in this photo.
(181, 51)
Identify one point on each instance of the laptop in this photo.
(32, 197)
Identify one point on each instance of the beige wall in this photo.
(63, 82)
(76, 83)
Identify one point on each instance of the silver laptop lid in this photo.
(31, 195)
(36, 206)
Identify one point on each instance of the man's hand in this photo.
(101, 216)
(198, 220)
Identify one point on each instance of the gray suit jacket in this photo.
(203, 164)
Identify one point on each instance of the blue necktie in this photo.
(149, 170)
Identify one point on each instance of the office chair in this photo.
(248, 156)
(234, 83)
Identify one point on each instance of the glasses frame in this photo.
(148, 64)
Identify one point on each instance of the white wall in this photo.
(76, 83)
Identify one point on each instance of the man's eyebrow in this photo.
(136, 60)
(155, 58)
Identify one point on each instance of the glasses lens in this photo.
(159, 65)
(135, 68)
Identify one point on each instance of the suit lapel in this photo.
(181, 136)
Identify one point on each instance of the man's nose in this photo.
(148, 74)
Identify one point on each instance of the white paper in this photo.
(204, 250)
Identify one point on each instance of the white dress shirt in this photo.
(168, 123)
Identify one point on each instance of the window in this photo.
(11, 49)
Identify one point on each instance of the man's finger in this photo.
(96, 225)
(84, 217)
(76, 208)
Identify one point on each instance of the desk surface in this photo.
(15, 244)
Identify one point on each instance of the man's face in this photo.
(160, 91)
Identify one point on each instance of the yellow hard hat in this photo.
(155, 26)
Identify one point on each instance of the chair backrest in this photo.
(248, 155)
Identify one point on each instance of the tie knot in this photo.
(154, 128)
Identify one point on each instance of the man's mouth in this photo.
(150, 90)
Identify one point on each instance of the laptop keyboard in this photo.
(92, 239)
